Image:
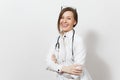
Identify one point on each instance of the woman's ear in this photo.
(75, 23)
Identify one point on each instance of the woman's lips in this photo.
(64, 25)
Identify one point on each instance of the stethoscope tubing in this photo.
(57, 45)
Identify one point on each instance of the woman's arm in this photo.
(71, 69)
(74, 69)
(51, 65)
(79, 54)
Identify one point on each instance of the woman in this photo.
(67, 55)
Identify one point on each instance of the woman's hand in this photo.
(53, 57)
(73, 69)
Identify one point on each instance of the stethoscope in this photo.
(57, 45)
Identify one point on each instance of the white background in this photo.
(28, 26)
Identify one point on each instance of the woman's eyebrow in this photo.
(67, 16)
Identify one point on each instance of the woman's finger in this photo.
(77, 71)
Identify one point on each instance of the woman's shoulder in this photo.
(78, 37)
(79, 41)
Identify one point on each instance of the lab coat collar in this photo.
(67, 34)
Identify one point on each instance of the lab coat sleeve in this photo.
(51, 65)
(79, 54)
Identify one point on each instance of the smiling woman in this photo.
(67, 55)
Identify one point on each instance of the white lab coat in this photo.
(64, 56)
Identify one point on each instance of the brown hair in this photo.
(62, 12)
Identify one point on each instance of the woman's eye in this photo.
(69, 18)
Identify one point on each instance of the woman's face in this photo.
(67, 21)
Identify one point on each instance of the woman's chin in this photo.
(64, 30)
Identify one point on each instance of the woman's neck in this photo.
(63, 32)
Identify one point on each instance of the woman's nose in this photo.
(64, 20)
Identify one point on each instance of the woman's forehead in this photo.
(68, 13)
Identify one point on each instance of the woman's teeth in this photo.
(65, 25)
